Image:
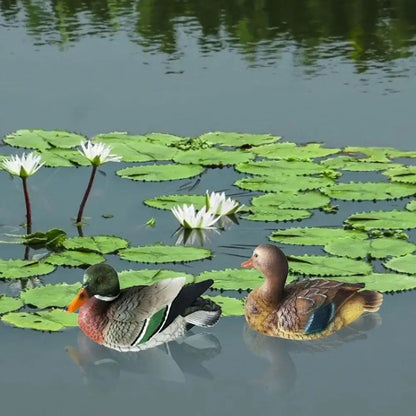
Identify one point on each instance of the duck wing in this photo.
(315, 302)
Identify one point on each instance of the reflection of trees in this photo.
(362, 31)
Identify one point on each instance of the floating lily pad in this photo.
(356, 165)
(270, 214)
(133, 148)
(9, 304)
(164, 139)
(212, 157)
(229, 306)
(377, 248)
(368, 191)
(327, 266)
(164, 254)
(235, 279)
(170, 201)
(405, 174)
(314, 235)
(59, 295)
(404, 264)
(292, 151)
(160, 172)
(52, 239)
(44, 139)
(411, 206)
(238, 139)
(280, 167)
(290, 183)
(63, 158)
(382, 282)
(54, 320)
(74, 258)
(149, 276)
(16, 269)
(284, 200)
(385, 220)
(103, 244)
(380, 154)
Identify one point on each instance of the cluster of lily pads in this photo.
(289, 182)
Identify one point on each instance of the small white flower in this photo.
(219, 204)
(190, 218)
(98, 153)
(23, 166)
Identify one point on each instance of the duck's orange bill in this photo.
(248, 264)
(78, 301)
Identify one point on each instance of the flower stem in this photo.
(28, 208)
(86, 195)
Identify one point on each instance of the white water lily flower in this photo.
(98, 153)
(190, 218)
(23, 166)
(219, 204)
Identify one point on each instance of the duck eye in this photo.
(255, 255)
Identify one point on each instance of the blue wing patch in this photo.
(320, 319)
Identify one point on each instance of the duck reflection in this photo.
(102, 366)
(281, 373)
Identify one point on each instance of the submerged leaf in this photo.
(164, 254)
(368, 191)
(212, 157)
(315, 235)
(404, 264)
(52, 239)
(103, 244)
(59, 295)
(385, 220)
(160, 172)
(229, 306)
(9, 304)
(292, 151)
(376, 248)
(74, 258)
(170, 201)
(281, 200)
(238, 139)
(16, 269)
(149, 276)
(327, 266)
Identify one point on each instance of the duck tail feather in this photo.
(372, 300)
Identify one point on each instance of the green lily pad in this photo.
(380, 154)
(327, 266)
(164, 139)
(356, 165)
(368, 191)
(385, 220)
(292, 151)
(280, 167)
(376, 248)
(212, 157)
(103, 244)
(290, 183)
(170, 201)
(229, 306)
(411, 206)
(130, 278)
(44, 139)
(54, 320)
(238, 139)
(235, 279)
(135, 148)
(404, 264)
(59, 295)
(315, 235)
(270, 214)
(405, 174)
(63, 158)
(285, 200)
(52, 239)
(381, 282)
(160, 172)
(164, 254)
(9, 304)
(74, 258)
(16, 269)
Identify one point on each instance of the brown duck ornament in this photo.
(304, 310)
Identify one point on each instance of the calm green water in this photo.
(341, 72)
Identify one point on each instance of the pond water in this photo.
(340, 72)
